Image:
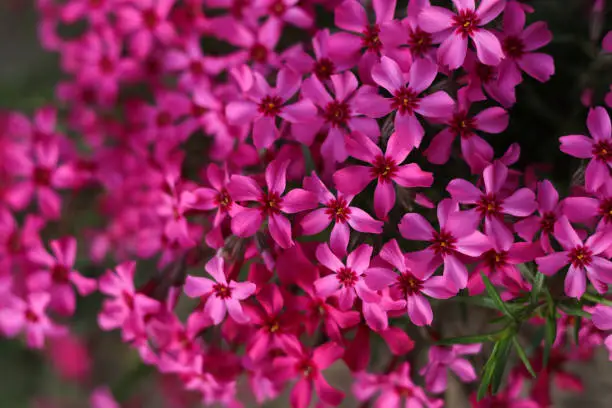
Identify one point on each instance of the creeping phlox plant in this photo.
(270, 196)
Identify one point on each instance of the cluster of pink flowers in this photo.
(284, 192)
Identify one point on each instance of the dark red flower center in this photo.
(128, 299)
(259, 53)
(336, 113)
(31, 316)
(580, 257)
(409, 284)
(347, 277)
(384, 168)
(419, 41)
(513, 47)
(496, 260)
(150, 18)
(307, 368)
(465, 22)
(273, 325)
(338, 210)
(163, 119)
(238, 7)
(443, 243)
(106, 65)
(13, 244)
(371, 39)
(605, 209)
(547, 223)
(278, 8)
(222, 291)
(271, 203)
(405, 100)
(197, 110)
(462, 125)
(602, 151)
(42, 176)
(94, 4)
(60, 273)
(324, 69)
(223, 201)
(486, 73)
(488, 205)
(196, 68)
(270, 105)
(403, 391)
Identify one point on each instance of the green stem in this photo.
(597, 299)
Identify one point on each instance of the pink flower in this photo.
(407, 100)
(264, 104)
(336, 115)
(414, 284)
(602, 319)
(361, 36)
(492, 204)
(146, 22)
(394, 388)
(385, 168)
(474, 149)
(101, 397)
(510, 397)
(308, 366)
(466, 23)
(339, 211)
(125, 302)
(272, 203)
(56, 274)
(441, 359)
(222, 296)
(457, 236)
(548, 210)
(216, 197)
(589, 210)
(348, 282)
(195, 69)
(582, 257)
(598, 149)
(29, 315)
(287, 11)
(499, 84)
(518, 45)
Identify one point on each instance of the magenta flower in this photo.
(56, 274)
(339, 211)
(361, 43)
(30, 316)
(221, 295)
(602, 319)
(492, 204)
(510, 397)
(588, 210)
(146, 21)
(308, 365)
(548, 213)
(385, 168)
(126, 302)
(500, 85)
(264, 104)
(271, 204)
(396, 390)
(413, 285)
(598, 149)
(442, 359)
(273, 327)
(216, 197)
(518, 45)
(466, 23)
(195, 68)
(336, 115)
(462, 124)
(407, 100)
(457, 236)
(582, 257)
(287, 11)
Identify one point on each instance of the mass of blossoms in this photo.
(274, 218)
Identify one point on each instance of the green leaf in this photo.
(477, 338)
(576, 330)
(487, 373)
(523, 356)
(574, 310)
(502, 360)
(537, 287)
(550, 336)
(597, 299)
(501, 306)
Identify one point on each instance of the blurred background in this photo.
(65, 373)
